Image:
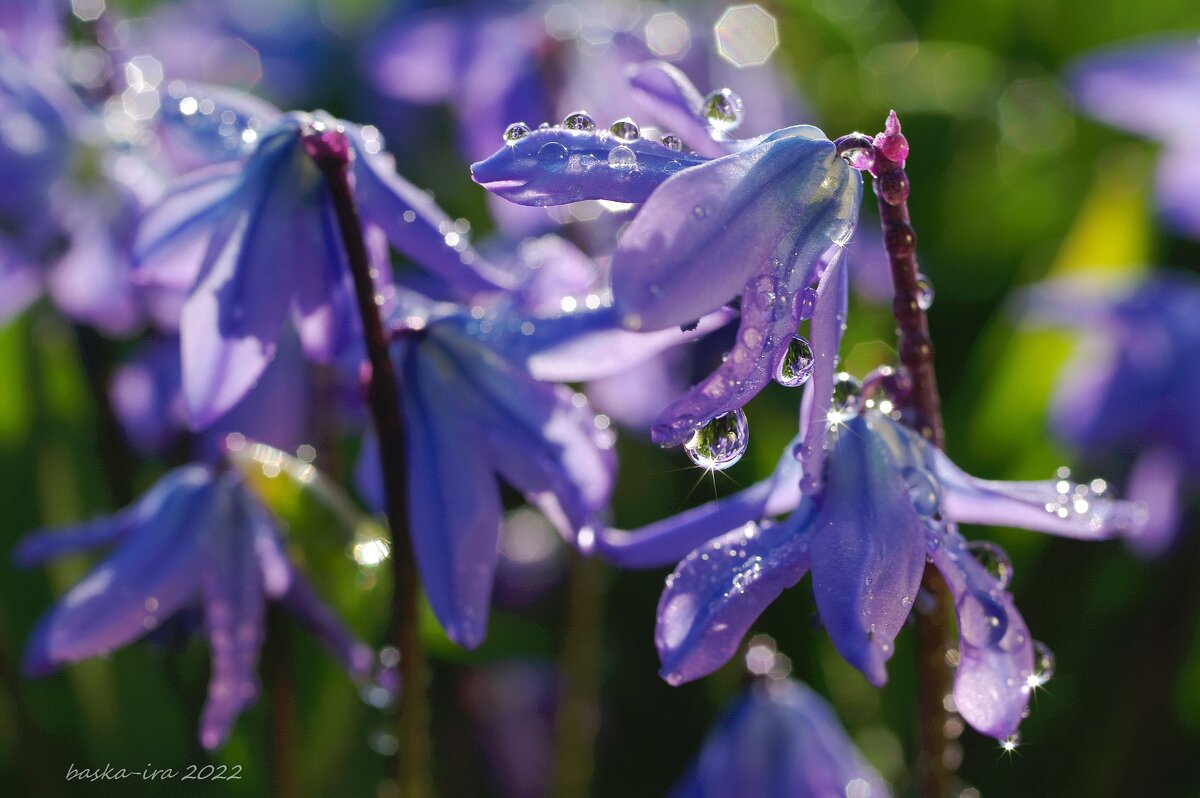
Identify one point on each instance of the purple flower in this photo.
(472, 416)
(889, 501)
(255, 241)
(761, 226)
(1152, 89)
(59, 232)
(1131, 387)
(146, 397)
(779, 739)
(197, 538)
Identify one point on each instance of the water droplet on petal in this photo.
(924, 292)
(515, 132)
(721, 442)
(622, 158)
(993, 559)
(552, 153)
(846, 394)
(579, 121)
(625, 130)
(924, 490)
(982, 620)
(797, 364)
(672, 166)
(806, 303)
(723, 110)
(672, 142)
(1043, 663)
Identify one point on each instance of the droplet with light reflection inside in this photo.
(721, 442)
(723, 109)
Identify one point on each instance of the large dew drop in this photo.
(723, 110)
(797, 364)
(579, 121)
(672, 142)
(515, 132)
(721, 442)
(847, 393)
(993, 559)
(622, 158)
(625, 130)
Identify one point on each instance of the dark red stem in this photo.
(331, 151)
(883, 156)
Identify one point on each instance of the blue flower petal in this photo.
(150, 577)
(172, 239)
(40, 546)
(1057, 506)
(868, 549)
(779, 739)
(556, 166)
(708, 230)
(231, 586)
(454, 502)
(992, 680)
(235, 313)
(539, 436)
(826, 330)
(721, 588)
(415, 225)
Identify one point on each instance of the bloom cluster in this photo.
(285, 280)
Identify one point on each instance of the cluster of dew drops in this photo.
(722, 109)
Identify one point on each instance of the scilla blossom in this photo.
(196, 539)
(889, 502)
(763, 225)
(254, 243)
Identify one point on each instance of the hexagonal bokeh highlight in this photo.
(746, 35)
(667, 35)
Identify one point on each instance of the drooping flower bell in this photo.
(764, 226)
(888, 502)
(197, 539)
(779, 738)
(255, 241)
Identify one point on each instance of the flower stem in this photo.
(884, 158)
(332, 154)
(578, 716)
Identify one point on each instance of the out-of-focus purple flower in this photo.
(197, 538)
(1152, 89)
(147, 399)
(61, 231)
(1131, 387)
(761, 225)
(256, 240)
(31, 28)
(472, 416)
(779, 740)
(512, 706)
(889, 500)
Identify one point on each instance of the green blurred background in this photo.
(1009, 185)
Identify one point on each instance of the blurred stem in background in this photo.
(577, 719)
(935, 616)
(281, 711)
(331, 151)
(119, 461)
